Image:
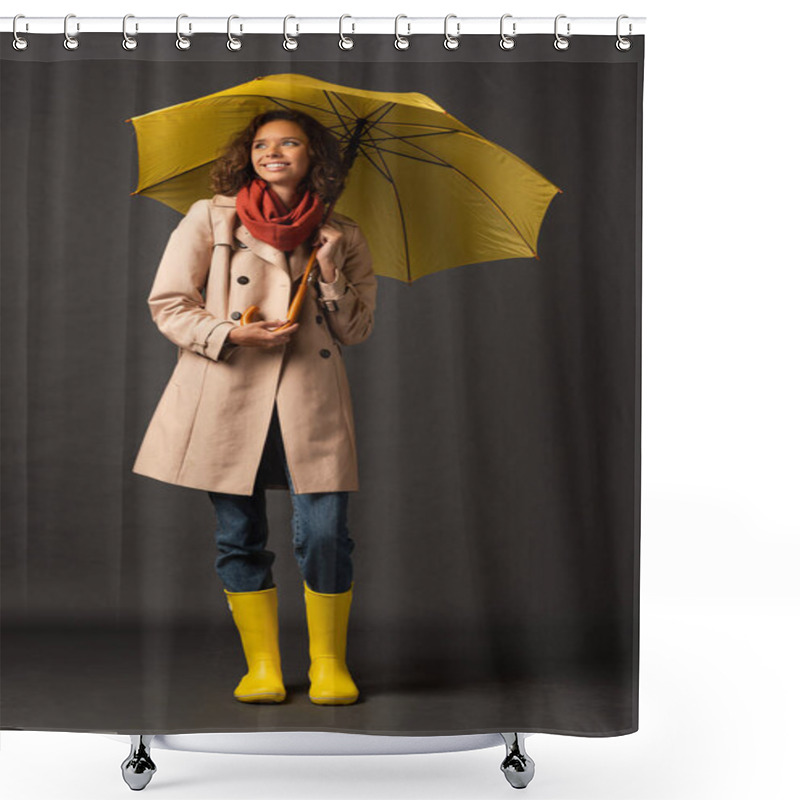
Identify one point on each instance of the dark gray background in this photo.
(497, 415)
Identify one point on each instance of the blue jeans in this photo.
(322, 544)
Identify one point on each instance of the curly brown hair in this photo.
(233, 169)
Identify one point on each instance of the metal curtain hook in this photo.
(233, 42)
(290, 43)
(507, 40)
(561, 42)
(401, 42)
(182, 43)
(451, 42)
(19, 43)
(70, 42)
(623, 43)
(129, 42)
(345, 42)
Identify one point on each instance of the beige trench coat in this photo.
(210, 427)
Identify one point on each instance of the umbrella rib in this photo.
(386, 174)
(341, 100)
(388, 106)
(391, 137)
(442, 128)
(284, 103)
(338, 115)
(385, 109)
(400, 211)
(373, 122)
(296, 103)
(498, 207)
(442, 162)
(291, 105)
(438, 163)
(405, 139)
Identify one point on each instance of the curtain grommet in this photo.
(234, 43)
(451, 40)
(70, 42)
(345, 42)
(561, 42)
(401, 42)
(623, 44)
(129, 42)
(19, 42)
(507, 41)
(290, 42)
(182, 43)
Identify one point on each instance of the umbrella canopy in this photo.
(428, 192)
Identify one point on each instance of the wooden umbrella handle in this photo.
(249, 315)
(297, 300)
(300, 295)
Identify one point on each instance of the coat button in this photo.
(325, 353)
(236, 315)
(243, 279)
(319, 320)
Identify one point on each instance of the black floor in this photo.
(181, 681)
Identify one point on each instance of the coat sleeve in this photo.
(350, 299)
(176, 301)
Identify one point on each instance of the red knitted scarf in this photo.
(264, 214)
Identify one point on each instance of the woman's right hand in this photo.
(262, 334)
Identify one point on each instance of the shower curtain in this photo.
(495, 401)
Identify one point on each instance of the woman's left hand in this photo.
(330, 240)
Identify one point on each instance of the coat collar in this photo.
(228, 229)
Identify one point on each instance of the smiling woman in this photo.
(280, 156)
(289, 130)
(251, 404)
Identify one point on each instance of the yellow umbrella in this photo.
(428, 192)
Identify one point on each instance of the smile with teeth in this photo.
(273, 165)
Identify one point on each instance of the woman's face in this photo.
(280, 153)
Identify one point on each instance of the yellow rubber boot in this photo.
(327, 615)
(256, 617)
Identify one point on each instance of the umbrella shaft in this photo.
(351, 151)
(300, 294)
